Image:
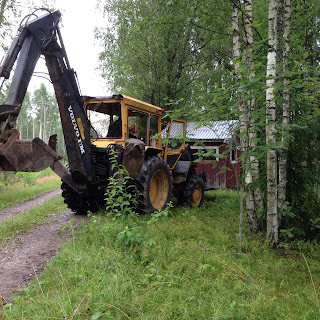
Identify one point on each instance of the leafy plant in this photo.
(121, 203)
(121, 193)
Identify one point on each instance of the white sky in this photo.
(79, 18)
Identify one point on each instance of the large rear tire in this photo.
(82, 204)
(154, 184)
(73, 200)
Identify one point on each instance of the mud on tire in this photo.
(154, 184)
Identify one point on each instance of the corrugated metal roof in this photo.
(213, 130)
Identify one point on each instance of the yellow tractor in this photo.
(154, 155)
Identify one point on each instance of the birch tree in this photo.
(283, 158)
(271, 108)
(248, 135)
(236, 45)
(254, 199)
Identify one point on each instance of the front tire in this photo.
(154, 184)
(193, 194)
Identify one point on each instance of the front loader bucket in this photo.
(26, 155)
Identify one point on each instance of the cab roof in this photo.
(126, 99)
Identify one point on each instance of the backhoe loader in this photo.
(94, 128)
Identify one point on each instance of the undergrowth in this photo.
(192, 271)
(121, 205)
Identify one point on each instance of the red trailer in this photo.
(222, 167)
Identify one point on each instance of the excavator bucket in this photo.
(32, 156)
(26, 155)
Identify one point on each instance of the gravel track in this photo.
(8, 213)
(28, 255)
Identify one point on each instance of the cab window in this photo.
(138, 125)
(105, 118)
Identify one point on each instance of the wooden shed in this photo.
(222, 170)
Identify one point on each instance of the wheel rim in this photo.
(159, 188)
(196, 196)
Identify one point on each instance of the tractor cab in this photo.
(118, 118)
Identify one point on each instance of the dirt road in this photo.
(30, 252)
(7, 213)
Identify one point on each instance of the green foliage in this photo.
(39, 117)
(174, 58)
(9, 10)
(302, 186)
(46, 117)
(121, 203)
(27, 179)
(121, 194)
(192, 272)
(9, 178)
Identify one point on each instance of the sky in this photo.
(79, 18)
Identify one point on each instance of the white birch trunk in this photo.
(283, 159)
(272, 205)
(236, 54)
(40, 124)
(253, 168)
(19, 125)
(44, 123)
(243, 120)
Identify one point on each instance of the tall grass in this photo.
(192, 272)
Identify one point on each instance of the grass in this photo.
(18, 224)
(192, 272)
(19, 192)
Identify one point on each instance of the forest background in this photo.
(256, 61)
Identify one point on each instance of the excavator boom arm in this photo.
(35, 38)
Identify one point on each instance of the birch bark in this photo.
(244, 111)
(283, 158)
(254, 201)
(236, 54)
(272, 205)
(44, 123)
